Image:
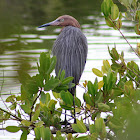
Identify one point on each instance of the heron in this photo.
(70, 49)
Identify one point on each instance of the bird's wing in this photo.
(70, 49)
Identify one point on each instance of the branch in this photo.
(134, 72)
(54, 130)
(19, 119)
(124, 37)
(82, 87)
(34, 104)
(133, 79)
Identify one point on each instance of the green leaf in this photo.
(116, 92)
(36, 115)
(137, 16)
(61, 75)
(26, 108)
(92, 128)
(115, 54)
(128, 87)
(122, 54)
(11, 99)
(63, 87)
(91, 88)
(23, 77)
(37, 133)
(100, 84)
(45, 133)
(106, 65)
(52, 65)
(18, 98)
(28, 89)
(110, 80)
(119, 23)
(77, 102)
(99, 97)
(97, 72)
(59, 111)
(39, 80)
(133, 67)
(56, 95)
(83, 138)
(134, 4)
(100, 127)
(58, 133)
(115, 66)
(114, 11)
(124, 2)
(47, 98)
(66, 107)
(103, 107)
(109, 22)
(51, 84)
(113, 126)
(106, 7)
(43, 97)
(120, 16)
(130, 2)
(44, 63)
(13, 106)
(69, 136)
(79, 127)
(26, 123)
(67, 80)
(6, 116)
(24, 134)
(42, 133)
(39, 124)
(12, 129)
(52, 104)
(88, 99)
(137, 30)
(67, 97)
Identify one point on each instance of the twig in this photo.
(82, 87)
(133, 79)
(133, 72)
(64, 113)
(19, 119)
(137, 74)
(34, 104)
(124, 38)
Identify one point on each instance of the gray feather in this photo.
(70, 49)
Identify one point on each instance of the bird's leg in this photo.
(65, 119)
(74, 109)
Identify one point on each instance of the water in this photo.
(26, 58)
(21, 49)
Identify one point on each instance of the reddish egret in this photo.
(70, 49)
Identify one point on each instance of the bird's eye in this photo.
(62, 20)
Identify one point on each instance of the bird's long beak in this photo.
(53, 23)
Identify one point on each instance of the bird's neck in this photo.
(70, 25)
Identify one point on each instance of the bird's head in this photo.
(63, 21)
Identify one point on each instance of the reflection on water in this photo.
(31, 45)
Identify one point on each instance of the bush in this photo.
(116, 96)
